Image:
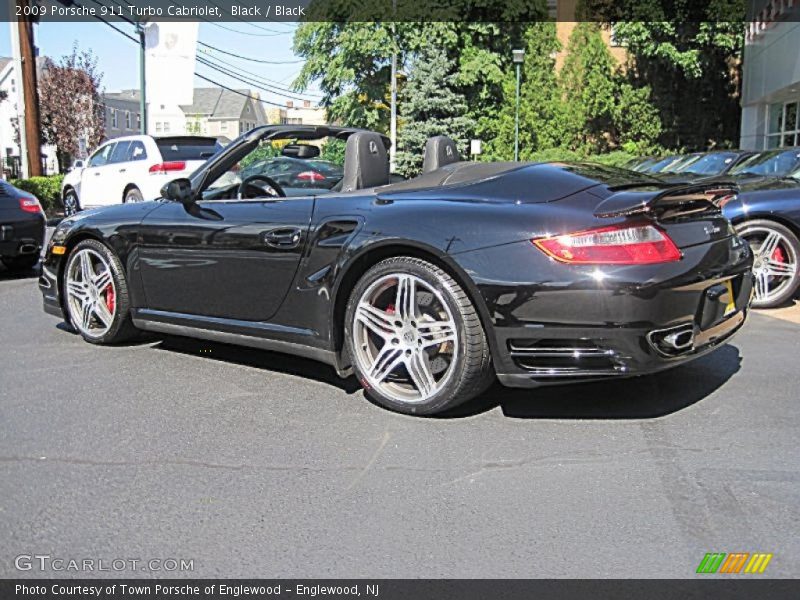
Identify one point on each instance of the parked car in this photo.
(425, 289)
(22, 227)
(658, 165)
(133, 169)
(706, 165)
(297, 172)
(766, 213)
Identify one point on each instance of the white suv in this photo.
(132, 169)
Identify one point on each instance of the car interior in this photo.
(366, 166)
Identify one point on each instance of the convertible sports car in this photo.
(425, 289)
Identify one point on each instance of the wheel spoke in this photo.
(102, 312)
(86, 268)
(86, 315)
(77, 290)
(769, 245)
(779, 269)
(387, 360)
(436, 332)
(762, 286)
(420, 372)
(102, 280)
(406, 302)
(375, 320)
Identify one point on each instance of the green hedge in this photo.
(613, 159)
(46, 189)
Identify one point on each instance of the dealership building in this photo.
(771, 71)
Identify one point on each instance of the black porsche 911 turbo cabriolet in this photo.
(425, 289)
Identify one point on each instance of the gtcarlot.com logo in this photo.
(737, 562)
(45, 562)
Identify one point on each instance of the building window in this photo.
(166, 126)
(114, 119)
(223, 126)
(295, 121)
(128, 119)
(783, 125)
(138, 121)
(158, 127)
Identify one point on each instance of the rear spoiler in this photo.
(676, 200)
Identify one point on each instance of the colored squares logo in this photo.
(737, 562)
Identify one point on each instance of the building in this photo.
(9, 116)
(771, 77)
(304, 114)
(123, 115)
(564, 11)
(221, 113)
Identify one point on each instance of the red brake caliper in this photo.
(390, 309)
(778, 255)
(110, 298)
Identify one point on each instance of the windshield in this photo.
(681, 164)
(710, 164)
(660, 165)
(775, 163)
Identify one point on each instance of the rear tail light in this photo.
(311, 176)
(29, 204)
(618, 245)
(167, 167)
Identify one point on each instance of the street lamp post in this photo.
(518, 56)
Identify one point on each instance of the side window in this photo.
(101, 156)
(120, 153)
(137, 151)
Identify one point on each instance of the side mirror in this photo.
(179, 190)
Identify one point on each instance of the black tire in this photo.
(70, 202)
(19, 264)
(753, 229)
(133, 195)
(121, 328)
(471, 363)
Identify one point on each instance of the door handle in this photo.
(284, 238)
(122, 170)
(96, 173)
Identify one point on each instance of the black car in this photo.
(22, 226)
(766, 214)
(425, 289)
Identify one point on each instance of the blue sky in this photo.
(119, 58)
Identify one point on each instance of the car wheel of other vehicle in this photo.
(71, 204)
(21, 263)
(97, 300)
(775, 267)
(415, 339)
(133, 195)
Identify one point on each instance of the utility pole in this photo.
(29, 96)
(142, 86)
(518, 57)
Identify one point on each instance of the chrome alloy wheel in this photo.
(774, 261)
(405, 338)
(91, 294)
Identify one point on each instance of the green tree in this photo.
(541, 110)
(430, 107)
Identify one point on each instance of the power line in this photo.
(256, 60)
(240, 93)
(268, 82)
(258, 85)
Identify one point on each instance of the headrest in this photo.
(300, 151)
(366, 163)
(439, 151)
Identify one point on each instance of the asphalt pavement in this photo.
(254, 464)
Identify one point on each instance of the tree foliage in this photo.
(70, 106)
(430, 106)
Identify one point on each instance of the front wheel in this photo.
(415, 339)
(97, 302)
(775, 261)
(71, 204)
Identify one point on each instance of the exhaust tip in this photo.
(673, 341)
(28, 248)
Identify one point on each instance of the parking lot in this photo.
(252, 464)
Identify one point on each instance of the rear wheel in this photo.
(775, 267)
(133, 195)
(96, 291)
(21, 263)
(415, 339)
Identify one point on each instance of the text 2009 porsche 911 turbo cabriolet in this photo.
(426, 289)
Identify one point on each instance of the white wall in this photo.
(771, 73)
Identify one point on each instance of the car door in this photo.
(94, 178)
(117, 177)
(227, 259)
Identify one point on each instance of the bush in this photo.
(46, 189)
(617, 158)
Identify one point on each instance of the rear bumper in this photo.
(22, 237)
(586, 323)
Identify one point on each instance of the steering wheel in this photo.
(250, 189)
